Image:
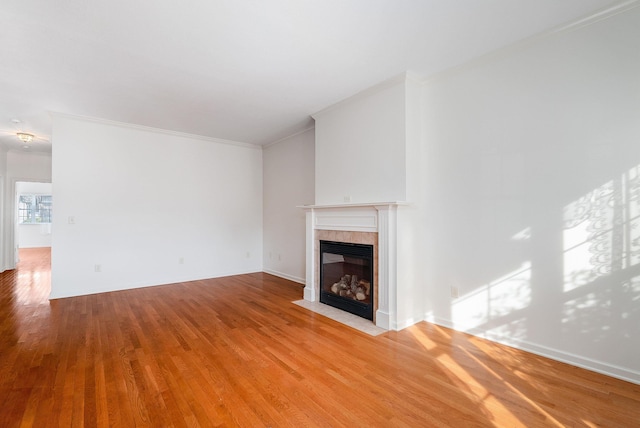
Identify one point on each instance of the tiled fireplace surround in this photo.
(373, 224)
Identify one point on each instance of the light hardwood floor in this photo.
(236, 352)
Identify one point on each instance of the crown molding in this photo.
(281, 140)
(154, 130)
(402, 78)
(413, 77)
(597, 16)
(592, 18)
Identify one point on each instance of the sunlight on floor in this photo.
(478, 381)
(531, 403)
(424, 340)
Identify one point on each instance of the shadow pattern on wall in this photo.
(597, 298)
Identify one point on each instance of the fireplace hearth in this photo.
(346, 277)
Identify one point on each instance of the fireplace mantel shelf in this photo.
(354, 205)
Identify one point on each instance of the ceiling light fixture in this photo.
(24, 137)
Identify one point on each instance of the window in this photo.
(34, 209)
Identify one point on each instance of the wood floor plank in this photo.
(235, 351)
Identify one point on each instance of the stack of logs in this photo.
(350, 287)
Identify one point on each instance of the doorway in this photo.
(33, 215)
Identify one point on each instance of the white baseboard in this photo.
(400, 325)
(151, 282)
(601, 367)
(382, 319)
(285, 276)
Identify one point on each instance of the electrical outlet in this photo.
(181, 260)
(72, 220)
(347, 199)
(454, 292)
(248, 254)
(279, 257)
(97, 268)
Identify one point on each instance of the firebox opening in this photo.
(346, 277)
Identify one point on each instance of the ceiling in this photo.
(244, 70)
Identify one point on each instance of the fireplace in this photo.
(373, 224)
(347, 276)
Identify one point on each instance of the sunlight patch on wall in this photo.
(523, 235)
(621, 308)
(510, 333)
(630, 309)
(573, 310)
(494, 300)
(587, 237)
(602, 231)
(632, 287)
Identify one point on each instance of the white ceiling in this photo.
(249, 71)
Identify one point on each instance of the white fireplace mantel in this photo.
(379, 217)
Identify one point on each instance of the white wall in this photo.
(362, 154)
(289, 172)
(142, 200)
(413, 242)
(33, 235)
(3, 209)
(534, 167)
(20, 166)
(29, 166)
(3, 161)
